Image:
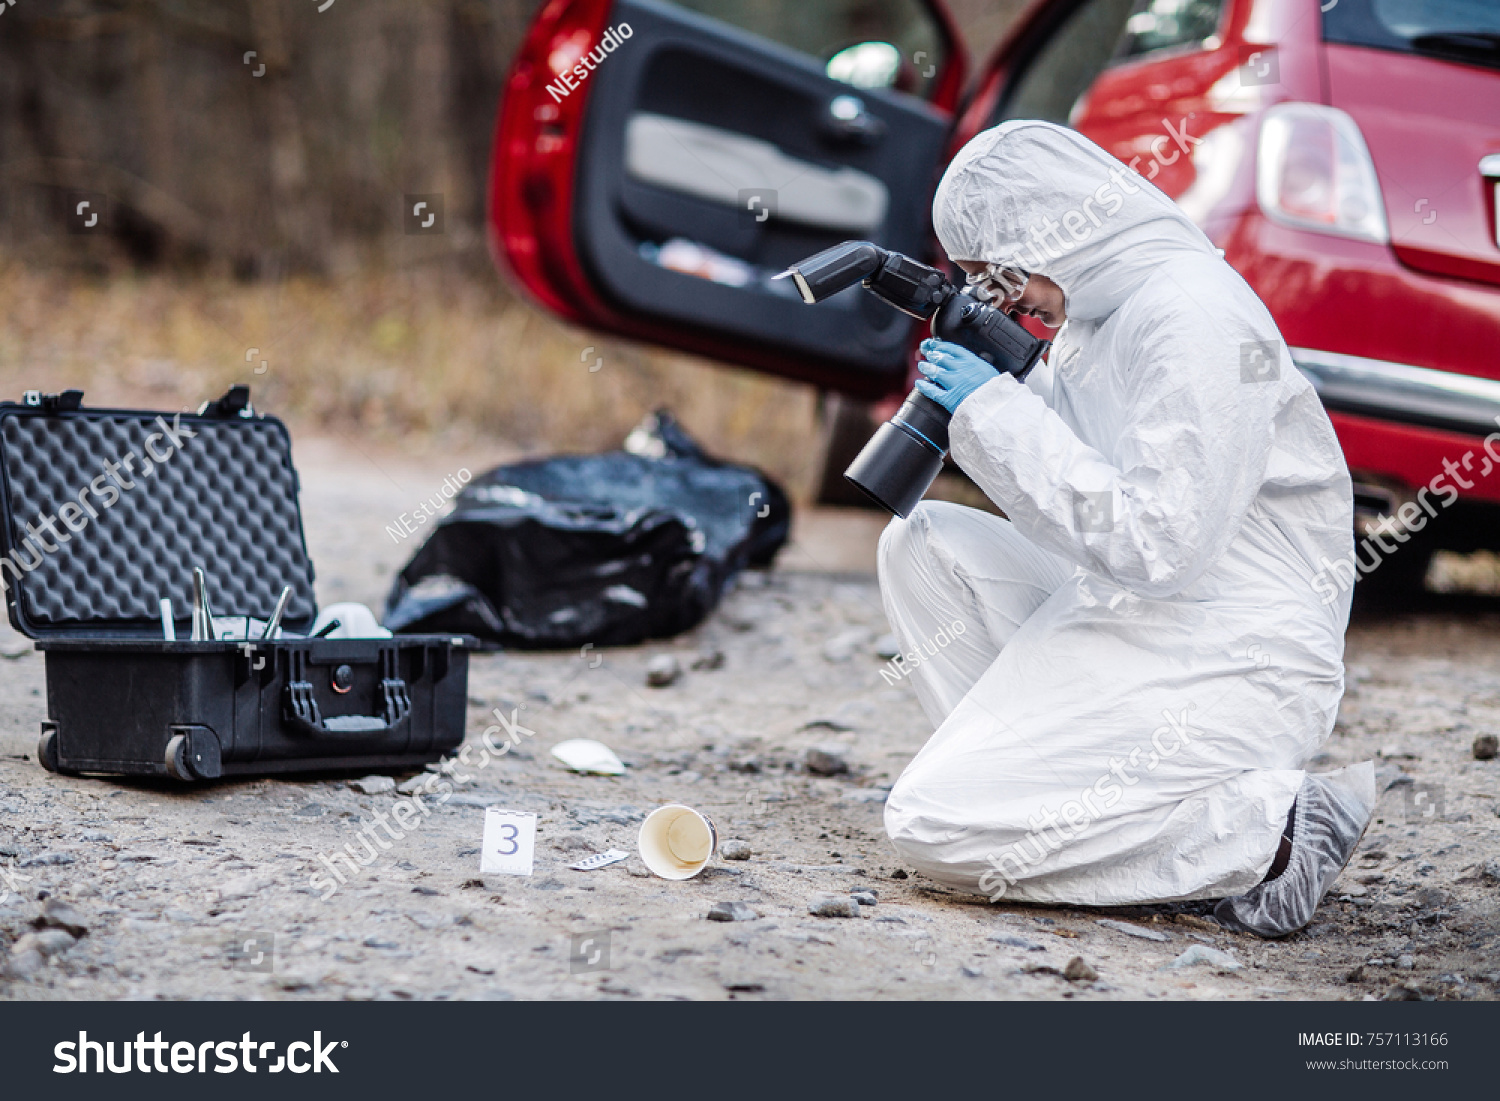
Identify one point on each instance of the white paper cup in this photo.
(677, 842)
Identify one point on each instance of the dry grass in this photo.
(424, 360)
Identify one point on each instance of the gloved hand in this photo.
(954, 371)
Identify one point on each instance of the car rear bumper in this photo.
(1402, 394)
(1403, 361)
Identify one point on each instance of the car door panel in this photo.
(698, 132)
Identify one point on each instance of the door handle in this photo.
(848, 120)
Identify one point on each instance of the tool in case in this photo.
(108, 517)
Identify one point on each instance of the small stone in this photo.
(1132, 930)
(44, 860)
(22, 965)
(864, 898)
(709, 660)
(899, 873)
(312, 810)
(1078, 971)
(842, 646)
(376, 942)
(135, 856)
(887, 647)
(1192, 921)
(245, 886)
(1356, 891)
(48, 942)
(827, 722)
(414, 785)
(662, 670)
(374, 785)
(969, 972)
(731, 911)
(735, 849)
(1491, 871)
(95, 835)
(1203, 954)
(830, 905)
(1433, 898)
(1040, 969)
(58, 914)
(750, 765)
(1486, 747)
(826, 760)
(297, 979)
(1010, 940)
(1406, 963)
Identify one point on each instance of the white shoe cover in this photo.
(1332, 811)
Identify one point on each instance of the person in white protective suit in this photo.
(1128, 674)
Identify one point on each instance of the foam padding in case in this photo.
(226, 501)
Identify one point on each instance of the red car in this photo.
(655, 164)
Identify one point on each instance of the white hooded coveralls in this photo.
(1151, 645)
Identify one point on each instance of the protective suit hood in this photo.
(1046, 199)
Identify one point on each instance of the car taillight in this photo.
(1315, 172)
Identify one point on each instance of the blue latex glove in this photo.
(954, 371)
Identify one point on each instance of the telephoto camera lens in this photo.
(904, 456)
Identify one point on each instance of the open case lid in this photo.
(129, 501)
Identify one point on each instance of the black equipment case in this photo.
(93, 540)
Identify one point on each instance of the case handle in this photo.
(234, 403)
(304, 715)
(65, 402)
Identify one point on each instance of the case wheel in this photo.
(177, 759)
(46, 751)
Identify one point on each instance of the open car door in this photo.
(655, 167)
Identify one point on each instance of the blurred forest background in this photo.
(249, 159)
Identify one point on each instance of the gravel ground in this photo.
(205, 892)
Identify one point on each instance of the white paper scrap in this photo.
(587, 755)
(599, 860)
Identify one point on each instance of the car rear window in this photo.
(1466, 31)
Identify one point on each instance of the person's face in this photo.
(1040, 297)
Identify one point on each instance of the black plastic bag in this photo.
(610, 549)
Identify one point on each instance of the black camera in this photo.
(906, 453)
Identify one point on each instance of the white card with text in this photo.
(509, 842)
